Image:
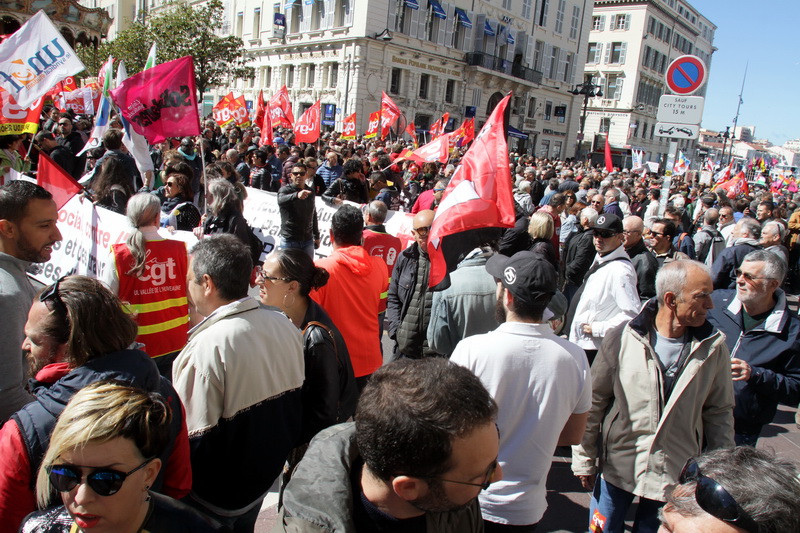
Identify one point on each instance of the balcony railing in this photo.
(499, 64)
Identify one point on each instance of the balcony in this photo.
(499, 64)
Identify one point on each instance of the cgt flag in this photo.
(349, 128)
(221, 110)
(478, 201)
(436, 150)
(17, 120)
(280, 108)
(390, 112)
(374, 124)
(306, 129)
(35, 58)
(56, 181)
(161, 102)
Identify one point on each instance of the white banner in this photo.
(89, 231)
(35, 58)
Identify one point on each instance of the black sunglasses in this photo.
(603, 234)
(51, 293)
(103, 481)
(714, 499)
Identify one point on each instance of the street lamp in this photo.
(725, 137)
(588, 90)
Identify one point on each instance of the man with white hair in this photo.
(523, 197)
(579, 252)
(773, 233)
(763, 335)
(746, 235)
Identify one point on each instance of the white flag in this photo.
(35, 58)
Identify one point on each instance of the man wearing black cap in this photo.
(608, 296)
(540, 381)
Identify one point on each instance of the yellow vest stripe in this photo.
(163, 326)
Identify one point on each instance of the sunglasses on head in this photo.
(103, 481)
(714, 499)
(51, 293)
(603, 234)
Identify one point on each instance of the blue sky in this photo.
(766, 34)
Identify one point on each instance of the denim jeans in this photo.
(612, 504)
(307, 246)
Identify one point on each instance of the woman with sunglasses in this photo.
(177, 209)
(102, 460)
(329, 390)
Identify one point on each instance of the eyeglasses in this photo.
(261, 274)
(422, 231)
(747, 276)
(298, 173)
(714, 499)
(51, 293)
(487, 478)
(103, 481)
(657, 234)
(169, 184)
(603, 234)
(598, 202)
(628, 232)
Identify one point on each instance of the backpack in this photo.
(715, 248)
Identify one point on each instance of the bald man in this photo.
(408, 308)
(643, 260)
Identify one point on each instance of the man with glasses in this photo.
(71, 140)
(239, 378)
(735, 490)
(611, 198)
(28, 233)
(352, 186)
(763, 335)
(662, 392)
(409, 303)
(61, 155)
(428, 200)
(422, 448)
(597, 202)
(540, 381)
(608, 295)
(77, 333)
(297, 206)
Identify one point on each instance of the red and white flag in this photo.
(374, 125)
(240, 113)
(411, 129)
(349, 128)
(478, 200)
(56, 181)
(161, 102)
(221, 110)
(17, 120)
(390, 112)
(34, 59)
(280, 108)
(437, 150)
(306, 129)
(735, 186)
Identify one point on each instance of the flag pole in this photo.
(202, 196)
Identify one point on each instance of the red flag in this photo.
(735, 186)
(477, 201)
(280, 108)
(57, 182)
(389, 114)
(411, 129)
(349, 128)
(68, 84)
(438, 128)
(468, 128)
(221, 110)
(374, 123)
(609, 164)
(307, 128)
(161, 101)
(436, 150)
(266, 129)
(260, 109)
(240, 113)
(17, 120)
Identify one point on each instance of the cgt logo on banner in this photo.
(16, 119)
(88, 233)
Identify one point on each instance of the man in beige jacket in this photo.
(662, 390)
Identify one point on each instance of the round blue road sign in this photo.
(686, 74)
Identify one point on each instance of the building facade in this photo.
(631, 43)
(77, 23)
(432, 57)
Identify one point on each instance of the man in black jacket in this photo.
(298, 214)
(57, 152)
(579, 252)
(745, 238)
(351, 186)
(643, 260)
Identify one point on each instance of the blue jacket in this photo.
(772, 349)
(722, 271)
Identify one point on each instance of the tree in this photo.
(130, 46)
(183, 30)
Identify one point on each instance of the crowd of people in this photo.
(642, 321)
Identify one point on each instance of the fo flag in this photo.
(306, 129)
(161, 102)
(390, 112)
(477, 202)
(35, 58)
(374, 124)
(17, 120)
(349, 128)
(280, 108)
(56, 181)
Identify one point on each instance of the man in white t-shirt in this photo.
(540, 382)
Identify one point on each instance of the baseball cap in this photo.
(527, 275)
(608, 222)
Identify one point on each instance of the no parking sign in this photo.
(686, 74)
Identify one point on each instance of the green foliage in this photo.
(178, 31)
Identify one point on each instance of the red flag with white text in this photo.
(161, 102)
(221, 110)
(390, 112)
(306, 129)
(349, 128)
(56, 181)
(478, 201)
(436, 150)
(280, 108)
(240, 113)
(735, 186)
(374, 124)
(17, 120)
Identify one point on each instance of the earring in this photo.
(147, 492)
(284, 300)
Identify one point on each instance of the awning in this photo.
(413, 4)
(290, 4)
(462, 17)
(488, 30)
(514, 132)
(509, 38)
(437, 9)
